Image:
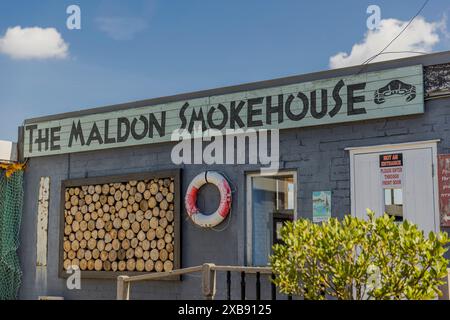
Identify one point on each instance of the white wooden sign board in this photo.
(388, 93)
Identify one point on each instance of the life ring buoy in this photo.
(200, 219)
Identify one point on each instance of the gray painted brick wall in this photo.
(316, 153)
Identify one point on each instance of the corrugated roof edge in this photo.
(425, 60)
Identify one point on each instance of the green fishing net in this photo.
(11, 201)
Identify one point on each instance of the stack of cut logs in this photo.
(120, 226)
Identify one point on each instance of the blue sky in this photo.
(139, 49)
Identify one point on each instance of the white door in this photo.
(407, 190)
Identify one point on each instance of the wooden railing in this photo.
(209, 272)
(208, 284)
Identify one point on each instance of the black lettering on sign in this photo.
(251, 112)
(301, 115)
(76, 133)
(31, 141)
(123, 123)
(94, 135)
(337, 98)
(134, 133)
(277, 109)
(234, 114)
(182, 116)
(43, 138)
(197, 117)
(160, 127)
(298, 106)
(351, 111)
(323, 110)
(55, 138)
(108, 139)
(210, 116)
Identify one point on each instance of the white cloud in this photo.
(442, 25)
(33, 43)
(121, 28)
(420, 36)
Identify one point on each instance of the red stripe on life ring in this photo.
(225, 198)
(191, 201)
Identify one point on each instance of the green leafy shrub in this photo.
(359, 259)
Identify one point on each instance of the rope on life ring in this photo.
(212, 220)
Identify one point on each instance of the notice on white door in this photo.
(391, 169)
(399, 183)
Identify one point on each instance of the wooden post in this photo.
(209, 281)
(42, 222)
(123, 288)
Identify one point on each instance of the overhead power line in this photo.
(395, 38)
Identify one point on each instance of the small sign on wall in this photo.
(321, 206)
(391, 168)
(444, 188)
